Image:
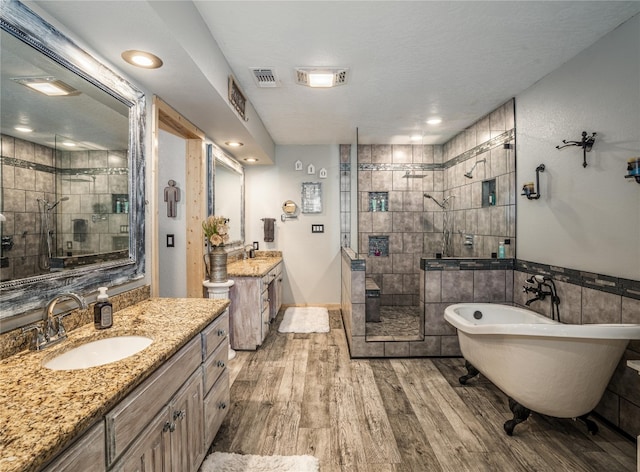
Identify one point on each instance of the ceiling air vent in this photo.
(265, 77)
(329, 77)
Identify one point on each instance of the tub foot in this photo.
(592, 427)
(520, 414)
(471, 373)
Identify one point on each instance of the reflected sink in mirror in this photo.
(100, 352)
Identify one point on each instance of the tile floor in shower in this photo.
(397, 323)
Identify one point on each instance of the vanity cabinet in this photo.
(169, 421)
(86, 454)
(255, 301)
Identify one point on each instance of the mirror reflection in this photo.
(228, 200)
(65, 167)
(72, 165)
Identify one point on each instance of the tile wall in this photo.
(414, 224)
(87, 222)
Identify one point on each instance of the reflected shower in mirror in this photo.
(72, 167)
(65, 166)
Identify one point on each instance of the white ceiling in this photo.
(407, 60)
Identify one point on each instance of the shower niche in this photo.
(379, 246)
(378, 201)
(489, 193)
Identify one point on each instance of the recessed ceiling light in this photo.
(416, 137)
(23, 129)
(68, 144)
(47, 85)
(234, 143)
(250, 159)
(434, 121)
(142, 59)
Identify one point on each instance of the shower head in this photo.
(411, 175)
(51, 207)
(469, 175)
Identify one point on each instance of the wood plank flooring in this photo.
(302, 394)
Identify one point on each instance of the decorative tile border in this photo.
(22, 164)
(453, 263)
(499, 140)
(605, 283)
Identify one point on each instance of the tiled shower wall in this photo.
(88, 178)
(414, 224)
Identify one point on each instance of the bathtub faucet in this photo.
(545, 286)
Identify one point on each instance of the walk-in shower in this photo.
(46, 246)
(447, 241)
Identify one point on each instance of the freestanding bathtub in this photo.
(542, 365)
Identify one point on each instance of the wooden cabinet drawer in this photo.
(215, 365)
(125, 422)
(214, 334)
(216, 405)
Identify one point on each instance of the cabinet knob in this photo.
(171, 427)
(222, 406)
(178, 415)
(222, 332)
(220, 364)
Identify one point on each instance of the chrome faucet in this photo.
(248, 251)
(53, 331)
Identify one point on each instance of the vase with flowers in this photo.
(216, 233)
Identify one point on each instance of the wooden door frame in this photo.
(193, 198)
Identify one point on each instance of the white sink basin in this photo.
(100, 352)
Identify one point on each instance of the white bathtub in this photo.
(551, 368)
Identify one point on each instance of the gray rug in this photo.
(229, 462)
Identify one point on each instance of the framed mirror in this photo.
(226, 192)
(72, 195)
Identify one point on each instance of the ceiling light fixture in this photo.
(47, 85)
(250, 160)
(23, 129)
(143, 59)
(416, 137)
(69, 144)
(321, 78)
(234, 143)
(434, 121)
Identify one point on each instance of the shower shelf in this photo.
(378, 246)
(378, 201)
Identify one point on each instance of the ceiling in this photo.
(408, 61)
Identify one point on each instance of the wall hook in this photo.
(528, 190)
(586, 143)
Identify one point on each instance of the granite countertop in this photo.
(43, 410)
(256, 267)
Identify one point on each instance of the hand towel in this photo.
(268, 229)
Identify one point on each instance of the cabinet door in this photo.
(245, 313)
(86, 454)
(187, 436)
(151, 452)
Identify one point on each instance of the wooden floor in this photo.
(302, 394)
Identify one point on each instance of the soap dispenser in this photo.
(103, 310)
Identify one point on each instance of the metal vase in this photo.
(216, 264)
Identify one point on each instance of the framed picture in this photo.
(322, 173)
(311, 169)
(298, 165)
(311, 197)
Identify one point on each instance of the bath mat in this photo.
(229, 462)
(305, 319)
